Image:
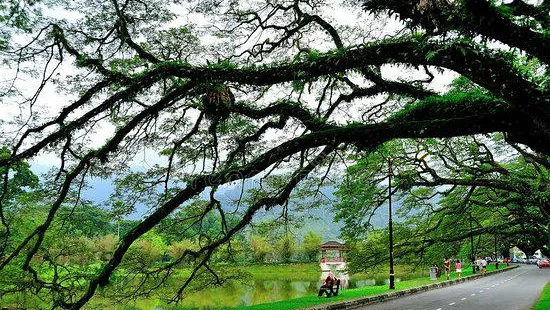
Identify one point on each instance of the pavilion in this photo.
(332, 252)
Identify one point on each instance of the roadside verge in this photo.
(544, 299)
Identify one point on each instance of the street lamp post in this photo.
(496, 252)
(472, 256)
(390, 226)
(390, 221)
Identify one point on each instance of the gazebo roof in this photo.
(334, 245)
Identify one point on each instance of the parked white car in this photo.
(533, 260)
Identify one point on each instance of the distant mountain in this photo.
(319, 219)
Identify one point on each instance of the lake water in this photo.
(252, 292)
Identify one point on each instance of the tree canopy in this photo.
(229, 93)
(458, 189)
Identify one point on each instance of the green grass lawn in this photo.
(311, 300)
(544, 300)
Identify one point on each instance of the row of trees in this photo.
(88, 233)
(459, 197)
(81, 250)
(153, 247)
(286, 249)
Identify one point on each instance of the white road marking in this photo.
(481, 291)
(451, 304)
(473, 295)
(438, 309)
(464, 298)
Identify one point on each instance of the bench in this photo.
(331, 290)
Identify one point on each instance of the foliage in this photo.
(17, 15)
(261, 247)
(20, 178)
(148, 249)
(177, 249)
(106, 245)
(310, 245)
(286, 247)
(459, 190)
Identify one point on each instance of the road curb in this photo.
(365, 301)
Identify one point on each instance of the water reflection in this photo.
(361, 283)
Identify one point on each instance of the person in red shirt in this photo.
(330, 279)
(447, 267)
(328, 285)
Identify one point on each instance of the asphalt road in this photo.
(515, 289)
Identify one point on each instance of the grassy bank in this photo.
(544, 299)
(311, 300)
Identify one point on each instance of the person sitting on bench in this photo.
(328, 286)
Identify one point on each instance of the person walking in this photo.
(447, 267)
(458, 266)
(483, 265)
(479, 265)
(437, 271)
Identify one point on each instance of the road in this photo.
(515, 289)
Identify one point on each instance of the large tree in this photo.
(271, 92)
(448, 192)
